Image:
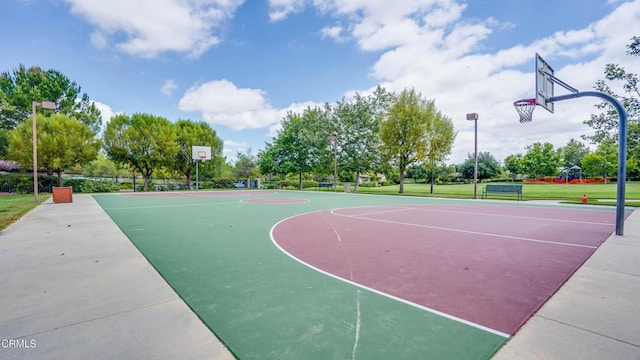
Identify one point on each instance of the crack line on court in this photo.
(346, 254)
(358, 322)
(511, 216)
(468, 231)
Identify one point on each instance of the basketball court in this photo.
(290, 275)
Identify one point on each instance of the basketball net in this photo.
(525, 109)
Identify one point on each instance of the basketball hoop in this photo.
(525, 109)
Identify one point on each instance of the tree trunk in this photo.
(300, 181)
(59, 178)
(355, 187)
(188, 180)
(431, 181)
(401, 180)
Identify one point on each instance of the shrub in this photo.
(370, 184)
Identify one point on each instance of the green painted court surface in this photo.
(216, 252)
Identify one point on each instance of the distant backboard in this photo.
(544, 83)
(201, 153)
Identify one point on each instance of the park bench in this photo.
(325, 184)
(502, 189)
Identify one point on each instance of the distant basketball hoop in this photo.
(198, 154)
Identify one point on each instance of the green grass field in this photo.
(564, 192)
(13, 206)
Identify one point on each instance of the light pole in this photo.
(334, 139)
(45, 105)
(474, 117)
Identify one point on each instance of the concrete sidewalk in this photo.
(596, 314)
(72, 286)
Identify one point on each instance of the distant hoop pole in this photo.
(622, 149)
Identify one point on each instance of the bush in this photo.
(387, 183)
(294, 184)
(370, 184)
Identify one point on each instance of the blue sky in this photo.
(241, 65)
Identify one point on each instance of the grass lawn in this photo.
(563, 192)
(14, 206)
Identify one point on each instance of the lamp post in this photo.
(474, 117)
(45, 105)
(334, 139)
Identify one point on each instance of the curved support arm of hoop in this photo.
(622, 149)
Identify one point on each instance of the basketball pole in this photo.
(622, 148)
(197, 161)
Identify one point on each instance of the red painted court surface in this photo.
(187, 194)
(491, 266)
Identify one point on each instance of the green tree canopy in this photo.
(143, 141)
(488, 166)
(62, 142)
(188, 134)
(541, 160)
(300, 146)
(603, 162)
(513, 164)
(573, 153)
(356, 124)
(246, 165)
(411, 132)
(20, 87)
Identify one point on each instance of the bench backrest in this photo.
(504, 188)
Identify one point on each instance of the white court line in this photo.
(468, 231)
(514, 216)
(170, 206)
(407, 302)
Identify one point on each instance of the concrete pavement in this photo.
(72, 286)
(596, 314)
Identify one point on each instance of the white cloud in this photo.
(105, 111)
(148, 28)
(430, 46)
(332, 32)
(280, 9)
(168, 87)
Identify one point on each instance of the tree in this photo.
(188, 134)
(541, 160)
(357, 126)
(513, 164)
(143, 141)
(410, 130)
(22, 86)
(606, 123)
(573, 153)
(62, 142)
(602, 162)
(488, 166)
(300, 146)
(246, 165)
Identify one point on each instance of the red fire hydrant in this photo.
(584, 198)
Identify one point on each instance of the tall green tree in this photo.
(603, 162)
(188, 134)
(541, 160)
(513, 164)
(356, 124)
(300, 146)
(144, 142)
(62, 142)
(488, 166)
(408, 131)
(20, 87)
(246, 165)
(573, 153)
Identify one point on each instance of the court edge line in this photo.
(407, 302)
(514, 216)
(469, 232)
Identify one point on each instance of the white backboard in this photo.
(544, 83)
(201, 153)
